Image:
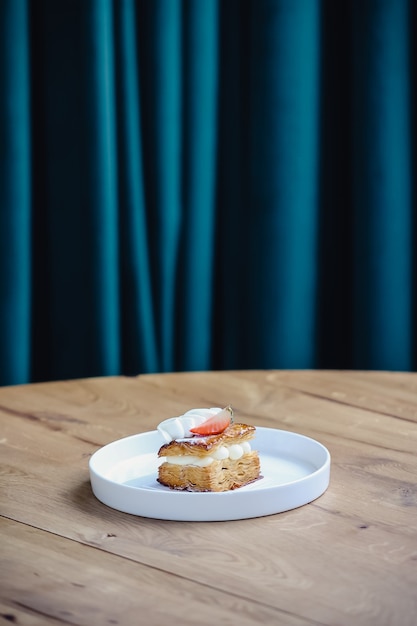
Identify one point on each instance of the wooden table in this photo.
(350, 557)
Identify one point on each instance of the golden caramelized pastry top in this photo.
(205, 445)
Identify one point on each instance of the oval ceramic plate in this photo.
(295, 470)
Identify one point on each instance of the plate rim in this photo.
(321, 474)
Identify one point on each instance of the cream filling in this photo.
(233, 452)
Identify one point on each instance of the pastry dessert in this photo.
(206, 451)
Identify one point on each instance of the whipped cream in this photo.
(233, 452)
(179, 427)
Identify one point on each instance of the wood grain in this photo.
(349, 557)
(108, 589)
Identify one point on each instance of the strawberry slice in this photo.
(215, 424)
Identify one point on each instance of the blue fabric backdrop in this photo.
(204, 184)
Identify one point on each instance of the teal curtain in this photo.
(206, 184)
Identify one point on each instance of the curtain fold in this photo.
(160, 32)
(104, 232)
(190, 185)
(199, 140)
(76, 291)
(15, 194)
(282, 186)
(138, 325)
(382, 186)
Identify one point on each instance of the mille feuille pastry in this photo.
(206, 451)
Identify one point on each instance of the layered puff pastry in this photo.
(219, 462)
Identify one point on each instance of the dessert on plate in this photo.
(206, 450)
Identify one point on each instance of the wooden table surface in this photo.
(349, 557)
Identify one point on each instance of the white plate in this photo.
(295, 470)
